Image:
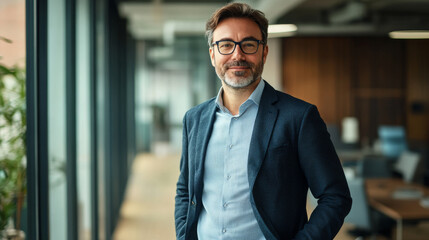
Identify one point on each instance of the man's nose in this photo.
(238, 54)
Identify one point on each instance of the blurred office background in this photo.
(108, 82)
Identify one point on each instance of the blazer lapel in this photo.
(205, 129)
(262, 131)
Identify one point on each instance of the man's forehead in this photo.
(233, 27)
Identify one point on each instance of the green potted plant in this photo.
(12, 149)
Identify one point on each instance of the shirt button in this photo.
(224, 230)
(230, 146)
(228, 177)
(225, 205)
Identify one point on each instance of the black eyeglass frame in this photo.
(239, 44)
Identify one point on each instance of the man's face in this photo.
(238, 70)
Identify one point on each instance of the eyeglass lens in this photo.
(247, 46)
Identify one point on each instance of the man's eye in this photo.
(249, 44)
(226, 45)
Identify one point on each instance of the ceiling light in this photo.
(410, 34)
(281, 30)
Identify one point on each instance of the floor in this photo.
(148, 209)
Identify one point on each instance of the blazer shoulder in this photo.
(282, 99)
(294, 104)
(198, 110)
(286, 104)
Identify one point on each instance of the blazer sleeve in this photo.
(182, 191)
(325, 178)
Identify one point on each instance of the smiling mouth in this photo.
(238, 65)
(238, 68)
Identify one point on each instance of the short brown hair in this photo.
(237, 10)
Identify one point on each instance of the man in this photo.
(250, 154)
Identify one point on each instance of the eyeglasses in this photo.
(226, 47)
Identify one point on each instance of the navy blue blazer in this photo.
(290, 151)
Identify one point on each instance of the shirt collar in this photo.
(254, 97)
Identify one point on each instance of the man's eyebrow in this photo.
(225, 39)
(249, 38)
(230, 39)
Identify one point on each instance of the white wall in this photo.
(273, 66)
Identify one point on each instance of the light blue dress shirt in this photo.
(227, 213)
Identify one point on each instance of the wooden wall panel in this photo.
(318, 71)
(378, 63)
(373, 112)
(418, 90)
(301, 77)
(361, 77)
(334, 66)
(378, 84)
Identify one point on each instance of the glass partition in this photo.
(57, 120)
(83, 128)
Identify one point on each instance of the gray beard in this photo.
(242, 82)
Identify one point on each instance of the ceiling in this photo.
(166, 19)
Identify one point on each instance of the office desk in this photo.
(381, 198)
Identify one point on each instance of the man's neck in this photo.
(233, 98)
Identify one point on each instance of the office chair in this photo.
(393, 140)
(367, 222)
(339, 144)
(407, 165)
(374, 167)
(359, 214)
(334, 133)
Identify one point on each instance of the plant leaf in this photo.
(5, 39)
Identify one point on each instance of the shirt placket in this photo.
(226, 180)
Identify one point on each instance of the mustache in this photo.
(238, 64)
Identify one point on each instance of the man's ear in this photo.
(212, 57)
(265, 53)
